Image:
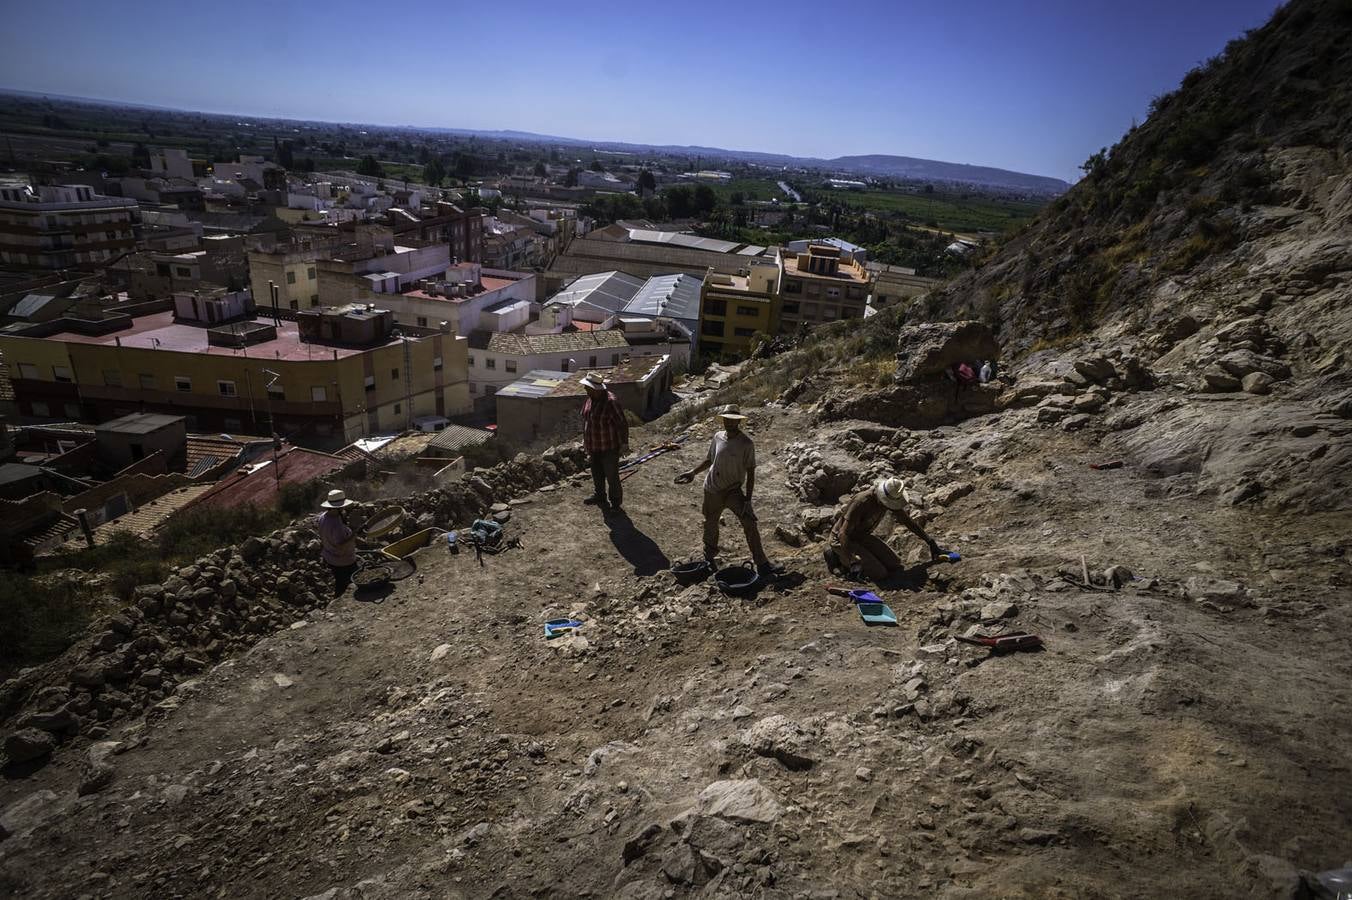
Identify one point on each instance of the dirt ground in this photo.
(434, 744)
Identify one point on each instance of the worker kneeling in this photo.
(855, 548)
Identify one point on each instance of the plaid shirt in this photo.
(603, 425)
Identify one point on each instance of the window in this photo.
(716, 307)
(319, 393)
(147, 381)
(370, 382)
(398, 408)
(182, 271)
(748, 311)
(422, 321)
(793, 286)
(314, 299)
(490, 363)
(490, 390)
(276, 392)
(295, 304)
(290, 277)
(789, 308)
(469, 360)
(436, 364)
(394, 374)
(26, 370)
(473, 388)
(227, 389)
(814, 290)
(41, 409)
(854, 293)
(714, 329)
(592, 363)
(112, 378)
(310, 273)
(510, 365)
(182, 384)
(744, 332)
(162, 269)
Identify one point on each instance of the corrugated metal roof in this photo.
(535, 383)
(456, 437)
(681, 239)
(31, 304)
(673, 296)
(604, 290)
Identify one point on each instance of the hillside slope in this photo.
(1242, 171)
(1160, 487)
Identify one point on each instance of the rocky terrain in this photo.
(1159, 485)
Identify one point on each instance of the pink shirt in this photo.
(340, 544)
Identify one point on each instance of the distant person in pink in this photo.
(338, 540)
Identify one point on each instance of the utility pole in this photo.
(272, 426)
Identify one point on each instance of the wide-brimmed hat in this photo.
(594, 382)
(337, 500)
(732, 413)
(891, 492)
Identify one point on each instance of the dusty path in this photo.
(434, 744)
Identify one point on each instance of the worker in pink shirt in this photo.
(338, 540)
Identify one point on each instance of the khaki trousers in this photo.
(735, 502)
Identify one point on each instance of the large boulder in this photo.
(28, 744)
(782, 739)
(746, 800)
(1240, 363)
(926, 351)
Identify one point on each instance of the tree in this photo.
(540, 170)
(596, 166)
(680, 201)
(434, 172)
(369, 166)
(705, 199)
(646, 181)
(465, 165)
(738, 198)
(571, 179)
(307, 164)
(285, 156)
(140, 156)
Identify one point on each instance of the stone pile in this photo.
(220, 604)
(1245, 354)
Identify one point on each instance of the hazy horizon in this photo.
(1033, 90)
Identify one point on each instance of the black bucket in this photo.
(688, 573)
(737, 581)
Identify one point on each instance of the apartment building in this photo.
(818, 285)
(63, 226)
(442, 222)
(466, 296)
(326, 375)
(736, 308)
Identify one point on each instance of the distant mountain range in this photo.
(874, 165)
(877, 165)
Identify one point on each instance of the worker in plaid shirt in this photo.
(605, 436)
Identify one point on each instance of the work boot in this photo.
(766, 569)
(833, 564)
(595, 500)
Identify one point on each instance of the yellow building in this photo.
(820, 285)
(325, 375)
(736, 308)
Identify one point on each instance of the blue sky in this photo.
(1034, 86)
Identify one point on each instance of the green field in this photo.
(750, 188)
(946, 211)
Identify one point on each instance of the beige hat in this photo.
(594, 382)
(891, 492)
(732, 413)
(337, 500)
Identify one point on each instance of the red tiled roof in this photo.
(259, 487)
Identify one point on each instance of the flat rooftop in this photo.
(140, 423)
(159, 331)
(486, 283)
(846, 272)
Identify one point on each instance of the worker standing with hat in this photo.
(730, 484)
(337, 540)
(854, 546)
(605, 436)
